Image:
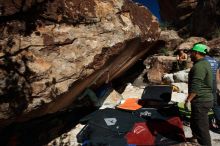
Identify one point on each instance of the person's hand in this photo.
(187, 105)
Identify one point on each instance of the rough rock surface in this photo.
(194, 17)
(51, 50)
(69, 138)
(204, 20)
(158, 66)
(172, 9)
(181, 76)
(189, 42)
(214, 46)
(177, 77)
(171, 39)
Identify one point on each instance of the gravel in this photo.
(214, 136)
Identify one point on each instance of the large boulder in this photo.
(204, 19)
(11, 7)
(171, 39)
(177, 11)
(159, 65)
(50, 51)
(193, 17)
(189, 42)
(177, 77)
(69, 138)
(214, 45)
(181, 76)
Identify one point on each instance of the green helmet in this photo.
(200, 48)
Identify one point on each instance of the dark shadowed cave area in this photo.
(40, 131)
(53, 51)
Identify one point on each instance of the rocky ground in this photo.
(132, 91)
(51, 51)
(214, 136)
(113, 99)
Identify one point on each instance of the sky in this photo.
(152, 6)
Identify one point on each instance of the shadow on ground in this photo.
(42, 130)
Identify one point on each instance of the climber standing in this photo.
(200, 95)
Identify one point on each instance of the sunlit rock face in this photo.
(51, 50)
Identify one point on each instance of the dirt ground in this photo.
(214, 136)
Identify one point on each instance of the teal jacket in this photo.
(200, 81)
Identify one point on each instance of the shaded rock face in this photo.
(204, 18)
(11, 7)
(158, 66)
(51, 50)
(198, 17)
(189, 42)
(176, 10)
(171, 39)
(214, 47)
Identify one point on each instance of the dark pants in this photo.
(199, 122)
(181, 65)
(216, 107)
